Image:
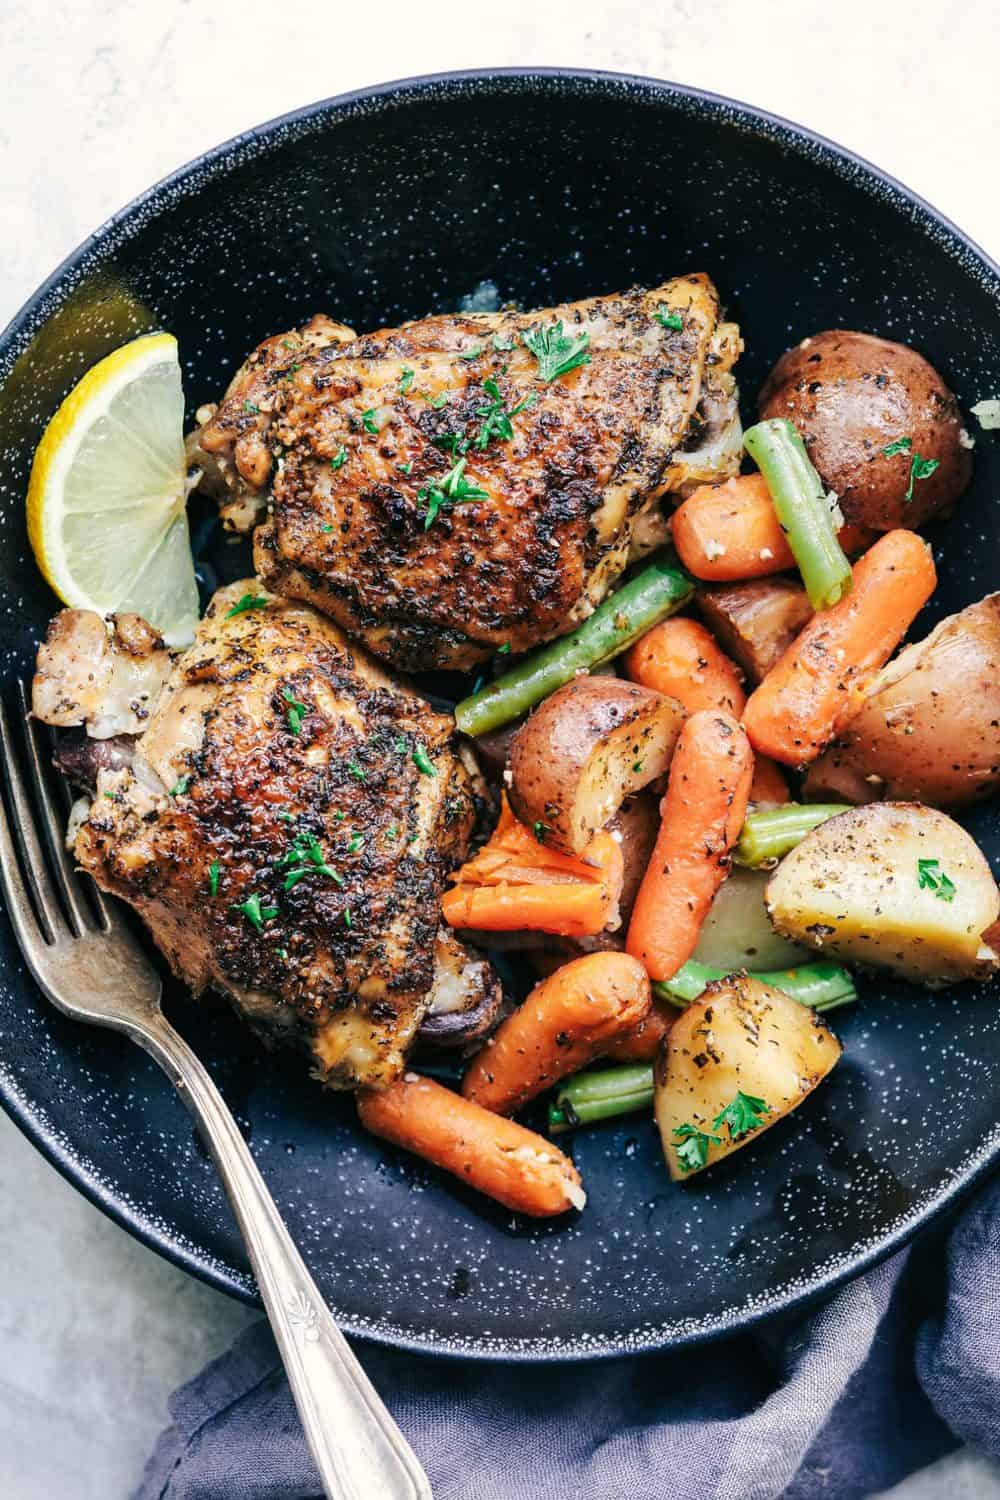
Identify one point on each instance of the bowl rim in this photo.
(14, 338)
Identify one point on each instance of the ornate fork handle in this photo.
(359, 1451)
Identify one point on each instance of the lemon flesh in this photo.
(106, 499)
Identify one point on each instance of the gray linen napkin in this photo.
(829, 1405)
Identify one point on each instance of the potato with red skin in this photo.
(851, 396)
(755, 622)
(928, 729)
(587, 747)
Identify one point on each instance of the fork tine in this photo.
(53, 824)
(50, 917)
(15, 895)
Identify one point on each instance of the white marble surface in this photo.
(100, 98)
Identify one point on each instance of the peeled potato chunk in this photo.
(734, 1063)
(894, 884)
(583, 751)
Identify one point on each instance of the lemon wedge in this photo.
(106, 499)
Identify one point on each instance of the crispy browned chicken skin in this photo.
(283, 824)
(352, 439)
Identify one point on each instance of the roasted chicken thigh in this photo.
(283, 821)
(473, 481)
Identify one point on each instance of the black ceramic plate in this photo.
(394, 203)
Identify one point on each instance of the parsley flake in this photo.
(423, 762)
(556, 352)
(669, 319)
(356, 841)
(253, 409)
(248, 602)
(295, 711)
(180, 787)
(357, 771)
(392, 832)
(406, 380)
(255, 914)
(214, 870)
(453, 489)
(931, 877)
(742, 1114)
(471, 354)
(920, 467)
(327, 527)
(347, 917)
(305, 857)
(692, 1146)
(496, 424)
(369, 422)
(502, 345)
(339, 459)
(504, 650)
(406, 468)
(540, 829)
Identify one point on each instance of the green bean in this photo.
(821, 986)
(802, 508)
(649, 597)
(600, 1095)
(767, 835)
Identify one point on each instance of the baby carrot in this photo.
(819, 682)
(516, 881)
(724, 533)
(701, 817)
(495, 1156)
(567, 1020)
(642, 1044)
(680, 658)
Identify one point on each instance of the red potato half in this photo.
(929, 727)
(755, 622)
(594, 742)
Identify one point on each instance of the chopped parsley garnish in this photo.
(557, 352)
(401, 744)
(358, 772)
(339, 459)
(504, 650)
(251, 408)
(295, 712)
(692, 1146)
(500, 344)
(637, 765)
(742, 1114)
(471, 354)
(180, 787)
(282, 954)
(441, 399)
(406, 380)
(392, 832)
(423, 762)
(406, 468)
(305, 857)
(669, 319)
(347, 917)
(496, 416)
(255, 914)
(288, 343)
(931, 877)
(920, 468)
(453, 489)
(214, 870)
(357, 840)
(248, 602)
(368, 421)
(286, 817)
(327, 527)
(540, 829)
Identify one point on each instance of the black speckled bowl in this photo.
(393, 203)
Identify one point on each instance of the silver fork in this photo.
(86, 960)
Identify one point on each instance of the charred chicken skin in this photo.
(281, 814)
(473, 481)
